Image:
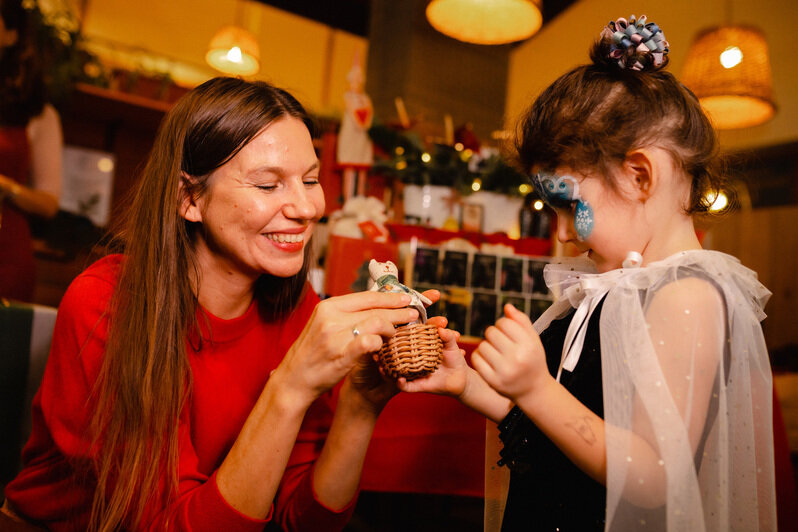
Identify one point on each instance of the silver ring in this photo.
(355, 332)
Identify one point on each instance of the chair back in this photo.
(25, 334)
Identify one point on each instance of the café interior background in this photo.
(311, 59)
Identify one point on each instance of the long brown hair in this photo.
(145, 377)
(593, 116)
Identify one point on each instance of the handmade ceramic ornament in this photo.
(415, 349)
(386, 279)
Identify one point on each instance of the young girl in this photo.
(645, 403)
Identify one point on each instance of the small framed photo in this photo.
(518, 302)
(537, 284)
(483, 314)
(471, 217)
(425, 266)
(538, 307)
(512, 274)
(456, 302)
(455, 268)
(483, 271)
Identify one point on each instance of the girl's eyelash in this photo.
(267, 188)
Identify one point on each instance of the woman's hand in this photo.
(340, 331)
(511, 359)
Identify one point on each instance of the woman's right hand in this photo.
(451, 377)
(340, 330)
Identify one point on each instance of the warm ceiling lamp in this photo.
(728, 69)
(485, 21)
(234, 50)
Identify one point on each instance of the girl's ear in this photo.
(189, 206)
(640, 173)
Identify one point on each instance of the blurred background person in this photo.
(31, 146)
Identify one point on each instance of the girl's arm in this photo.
(455, 378)
(512, 361)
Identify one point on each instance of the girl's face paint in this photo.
(562, 192)
(583, 220)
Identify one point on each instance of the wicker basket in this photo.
(414, 351)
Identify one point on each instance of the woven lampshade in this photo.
(234, 50)
(485, 21)
(739, 94)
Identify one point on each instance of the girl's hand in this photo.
(339, 332)
(511, 359)
(368, 379)
(451, 376)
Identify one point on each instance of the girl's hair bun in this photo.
(631, 45)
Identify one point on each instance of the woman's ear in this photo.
(641, 174)
(189, 206)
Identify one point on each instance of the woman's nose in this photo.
(299, 204)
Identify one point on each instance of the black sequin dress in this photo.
(547, 491)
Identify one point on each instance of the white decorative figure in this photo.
(354, 150)
(385, 277)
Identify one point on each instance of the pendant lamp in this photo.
(485, 21)
(728, 69)
(234, 50)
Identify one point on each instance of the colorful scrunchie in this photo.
(635, 37)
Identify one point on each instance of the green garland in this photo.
(60, 43)
(407, 159)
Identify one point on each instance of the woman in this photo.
(30, 150)
(188, 412)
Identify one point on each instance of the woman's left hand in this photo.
(511, 359)
(370, 382)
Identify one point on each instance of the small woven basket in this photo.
(414, 351)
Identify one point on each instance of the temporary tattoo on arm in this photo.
(582, 427)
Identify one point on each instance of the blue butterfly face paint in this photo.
(561, 192)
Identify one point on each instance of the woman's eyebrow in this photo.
(278, 170)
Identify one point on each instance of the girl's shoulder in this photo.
(700, 275)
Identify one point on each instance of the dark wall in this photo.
(434, 74)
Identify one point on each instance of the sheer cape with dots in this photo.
(687, 390)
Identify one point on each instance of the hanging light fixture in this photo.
(728, 69)
(234, 50)
(485, 21)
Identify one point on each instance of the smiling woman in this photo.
(207, 363)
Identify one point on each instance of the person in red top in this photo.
(193, 381)
(31, 146)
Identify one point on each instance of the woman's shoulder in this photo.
(95, 285)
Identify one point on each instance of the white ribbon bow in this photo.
(584, 295)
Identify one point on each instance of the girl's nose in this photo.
(564, 228)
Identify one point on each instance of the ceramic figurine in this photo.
(386, 279)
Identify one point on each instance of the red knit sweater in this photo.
(228, 376)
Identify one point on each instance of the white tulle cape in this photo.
(687, 389)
